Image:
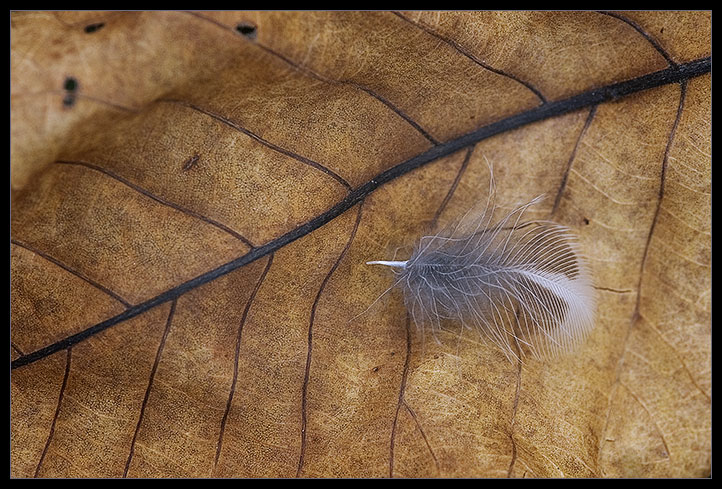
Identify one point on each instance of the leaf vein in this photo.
(307, 71)
(552, 109)
(158, 199)
(259, 139)
(309, 350)
(70, 270)
(244, 317)
(644, 34)
(153, 370)
(400, 402)
(472, 56)
(565, 176)
(57, 412)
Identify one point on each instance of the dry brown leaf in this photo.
(179, 310)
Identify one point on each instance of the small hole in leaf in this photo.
(247, 29)
(71, 84)
(90, 28)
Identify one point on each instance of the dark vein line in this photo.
(663, 176)
(372, 93)
(397, 110)
(308, 71)
(635, 314)
(515, 405)
(309, 345)
(565, 177)
(455, 184)
(423, 435)
(402, 389)
(644, 34)
(545, 111)
(210, 19)
(108, 103)
(70, 270)
(472, 56)
(680, 108)
(168, 323)
(407, 359)
(80, 96)
(57, 412)
(257, 138)
(83, 22)
(237, 355)
(616, 291)
(514, 452)
(15, 347)
(160, 200)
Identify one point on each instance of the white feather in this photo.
(524, 286)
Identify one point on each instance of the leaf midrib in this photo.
(673, 74)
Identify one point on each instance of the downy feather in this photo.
(524, 286)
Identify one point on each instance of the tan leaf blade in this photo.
(195, 197)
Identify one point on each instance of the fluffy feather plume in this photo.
(523, 285)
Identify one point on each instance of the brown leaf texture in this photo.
(195, 196)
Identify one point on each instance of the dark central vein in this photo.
(614, 91)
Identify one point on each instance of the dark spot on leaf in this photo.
(90, 28)
(191, 162)
(247, 29)
(71, 84)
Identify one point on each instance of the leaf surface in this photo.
(195, 195)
